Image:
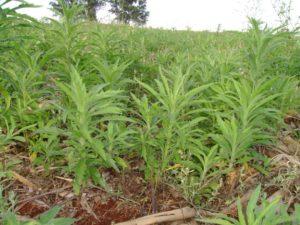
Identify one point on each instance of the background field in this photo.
(145, 119)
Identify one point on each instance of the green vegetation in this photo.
(82, 96)
(270, 212)
(47, 218)
(8, 217)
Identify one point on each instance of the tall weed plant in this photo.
(191, 105)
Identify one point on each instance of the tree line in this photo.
(125, 11)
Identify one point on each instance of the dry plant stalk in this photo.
(169, 216)
(25, 181)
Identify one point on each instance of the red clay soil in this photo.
(131, 197)
(32, 209)
(107, 213)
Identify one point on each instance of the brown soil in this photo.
(130, 198)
